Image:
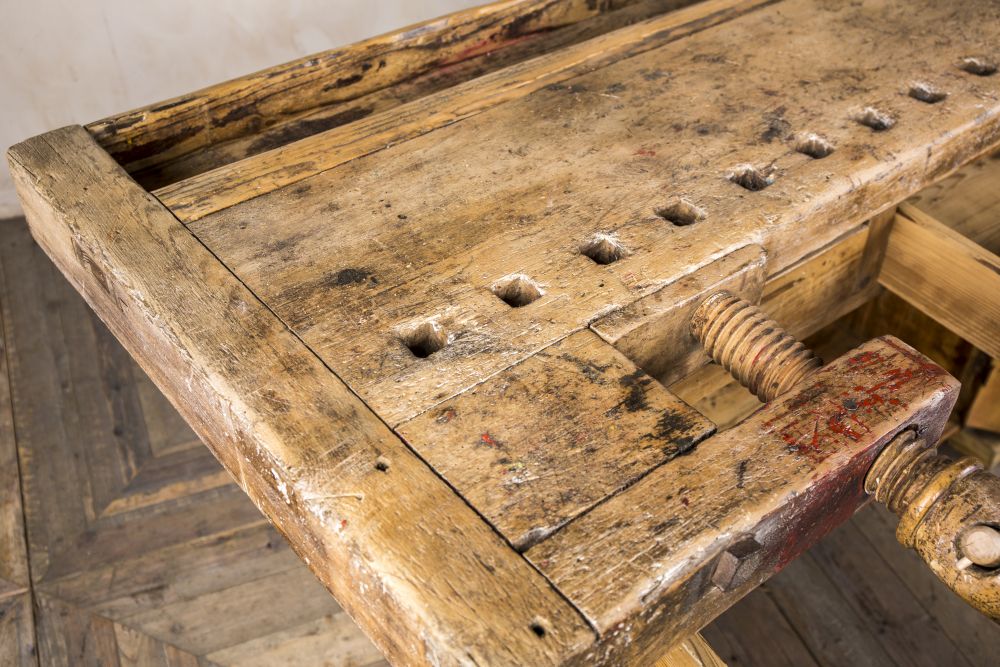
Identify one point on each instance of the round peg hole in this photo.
(538, 626)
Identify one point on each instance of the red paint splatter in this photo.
(446, 416)
(831, 502)
(866, 358)
(487, 439)
(343, 524)
(645, 152)
(482, 47)
(816, 424)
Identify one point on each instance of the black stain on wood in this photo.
(989, 265)
(306, 128)
(521, 25)
(343, 82)
(140, 151)
(665, 525)
(593, 372)
(171, 105)
(349, 277)
(741, 471)
(122, 124)
(567, 88)
(776, 125)
(636, 384)
(653, 75)
(235, 114)
(672, 424)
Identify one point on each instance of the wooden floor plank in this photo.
(907, 632)
(827, 623)
(13, 550)
(215, 621)
(974, 635)
(331, 639)
(142, 574)
(755, 632)
(17, 632)
(17, 624)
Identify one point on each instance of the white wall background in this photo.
(75, 61)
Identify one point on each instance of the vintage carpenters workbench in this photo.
(414, 294)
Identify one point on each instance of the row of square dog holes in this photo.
(520, 290)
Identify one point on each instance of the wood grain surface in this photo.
(848, 605)
(17, 626)
(161, 561)
(969, 203)
(224, 186)
(186, 135)
(768, 488)
(947, 276)
(299, 304)
(226, 363)
(544, 441)
(424, 229)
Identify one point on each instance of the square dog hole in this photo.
(603, 249)
(425, 339)
(680, 212)
(517, 290)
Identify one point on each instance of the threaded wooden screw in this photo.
(751, 346)
(909, 477)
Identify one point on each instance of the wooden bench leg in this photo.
(692, 652)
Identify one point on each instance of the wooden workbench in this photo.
(423, 297)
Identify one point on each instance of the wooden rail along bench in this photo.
(440, 302)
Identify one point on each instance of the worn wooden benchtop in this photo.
(414, 298)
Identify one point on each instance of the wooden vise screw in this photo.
(949, 510)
